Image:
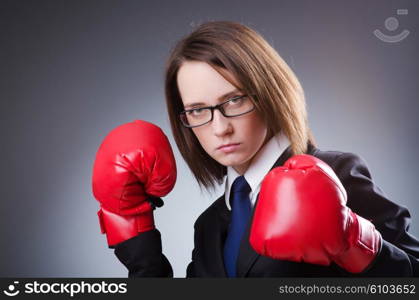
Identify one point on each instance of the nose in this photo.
(221, 125)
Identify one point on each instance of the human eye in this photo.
(196, 112)
(237, 100)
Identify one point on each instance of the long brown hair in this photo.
(258, 70)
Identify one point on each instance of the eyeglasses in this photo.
(233, 107)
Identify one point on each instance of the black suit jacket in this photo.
(398, 256)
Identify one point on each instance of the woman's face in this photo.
(198, 82)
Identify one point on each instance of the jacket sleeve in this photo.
(190, 270)
(399, 252)
(142, 256)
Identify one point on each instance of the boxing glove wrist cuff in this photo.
(120, 228)
(364, 245)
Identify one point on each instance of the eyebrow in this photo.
(190, 105)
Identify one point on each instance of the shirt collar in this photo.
(260, 165)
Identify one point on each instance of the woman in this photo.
(237, 112)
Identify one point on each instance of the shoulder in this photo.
(343, 162)
(217, 209)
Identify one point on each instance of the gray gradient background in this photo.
(73, 70)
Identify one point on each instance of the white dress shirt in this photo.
(259, 167)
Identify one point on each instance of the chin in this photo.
(232, 162)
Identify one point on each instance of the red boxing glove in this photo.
(302, 216)
(134, 166)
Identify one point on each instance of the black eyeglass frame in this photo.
(212, 108)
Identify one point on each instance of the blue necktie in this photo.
(240, 205)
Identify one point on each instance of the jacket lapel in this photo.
(218, 237)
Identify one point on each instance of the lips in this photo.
(229, 148)
(227, 145)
